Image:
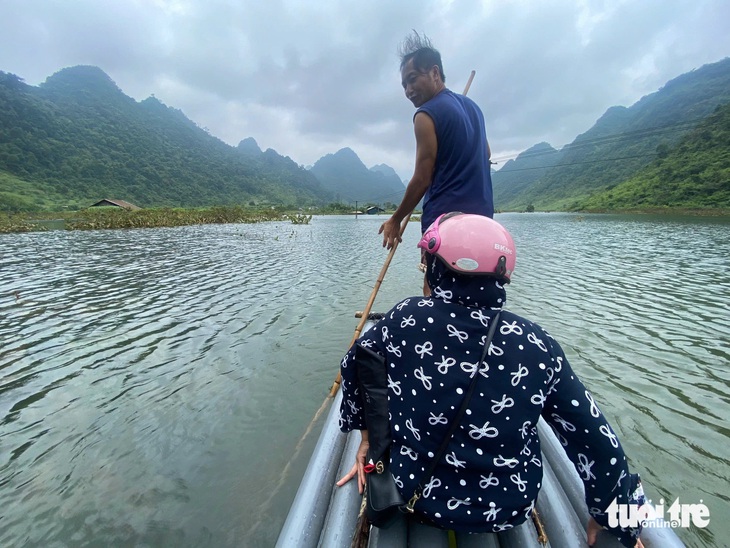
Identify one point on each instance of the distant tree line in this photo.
(77, 138)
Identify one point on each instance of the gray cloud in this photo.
(309, 78)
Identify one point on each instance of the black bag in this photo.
(383, 500)
(382, 496)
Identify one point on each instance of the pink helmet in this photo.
(471, 244)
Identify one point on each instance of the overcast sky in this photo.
(307, 78)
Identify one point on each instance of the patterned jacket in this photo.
(491, 473)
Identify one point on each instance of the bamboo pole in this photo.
(358, 330)
(366, 312)
(361, 528)
(468, 82)
(371, 300)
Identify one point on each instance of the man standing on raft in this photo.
(452, 171)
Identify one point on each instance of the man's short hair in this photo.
(421, 50)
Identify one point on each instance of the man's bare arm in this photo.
(426, 149)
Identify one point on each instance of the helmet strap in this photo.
(501, 269)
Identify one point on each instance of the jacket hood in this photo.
(472, 291)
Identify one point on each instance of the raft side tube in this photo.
(660, 536)
(561, 524)
(522, 536)
(344, 505)
(303, 525)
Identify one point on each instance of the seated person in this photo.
(491, 471)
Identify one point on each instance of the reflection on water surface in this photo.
(154, 384)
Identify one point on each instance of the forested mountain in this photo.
(249, 146)
(77, 138)
(388, 172)
(620, 144)
(344, 174)
(516, 176)
(694, 174)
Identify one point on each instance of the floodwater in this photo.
(156, 384)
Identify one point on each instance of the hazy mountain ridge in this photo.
(516, 176)
(77, 138)
(694, 174)
(249, 146)
(620, 144)
(386, 170)
(351, 181)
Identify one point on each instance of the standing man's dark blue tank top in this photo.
(461, 179)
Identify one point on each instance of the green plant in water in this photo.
(300, 219)
(18, 222)
(111, 218)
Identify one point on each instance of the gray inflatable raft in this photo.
(324, 515)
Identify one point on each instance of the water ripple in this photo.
(153, 383)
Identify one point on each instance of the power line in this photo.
(633, 135)
(580, 162)
(610, 139)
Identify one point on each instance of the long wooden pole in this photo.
(371, 300)
(468, 82)
(358, 330)
(361, 533)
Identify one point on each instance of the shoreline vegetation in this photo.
(696, 212)
(690, 211)
(102, 218)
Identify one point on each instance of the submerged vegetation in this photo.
(299, 219)
(113, 217)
